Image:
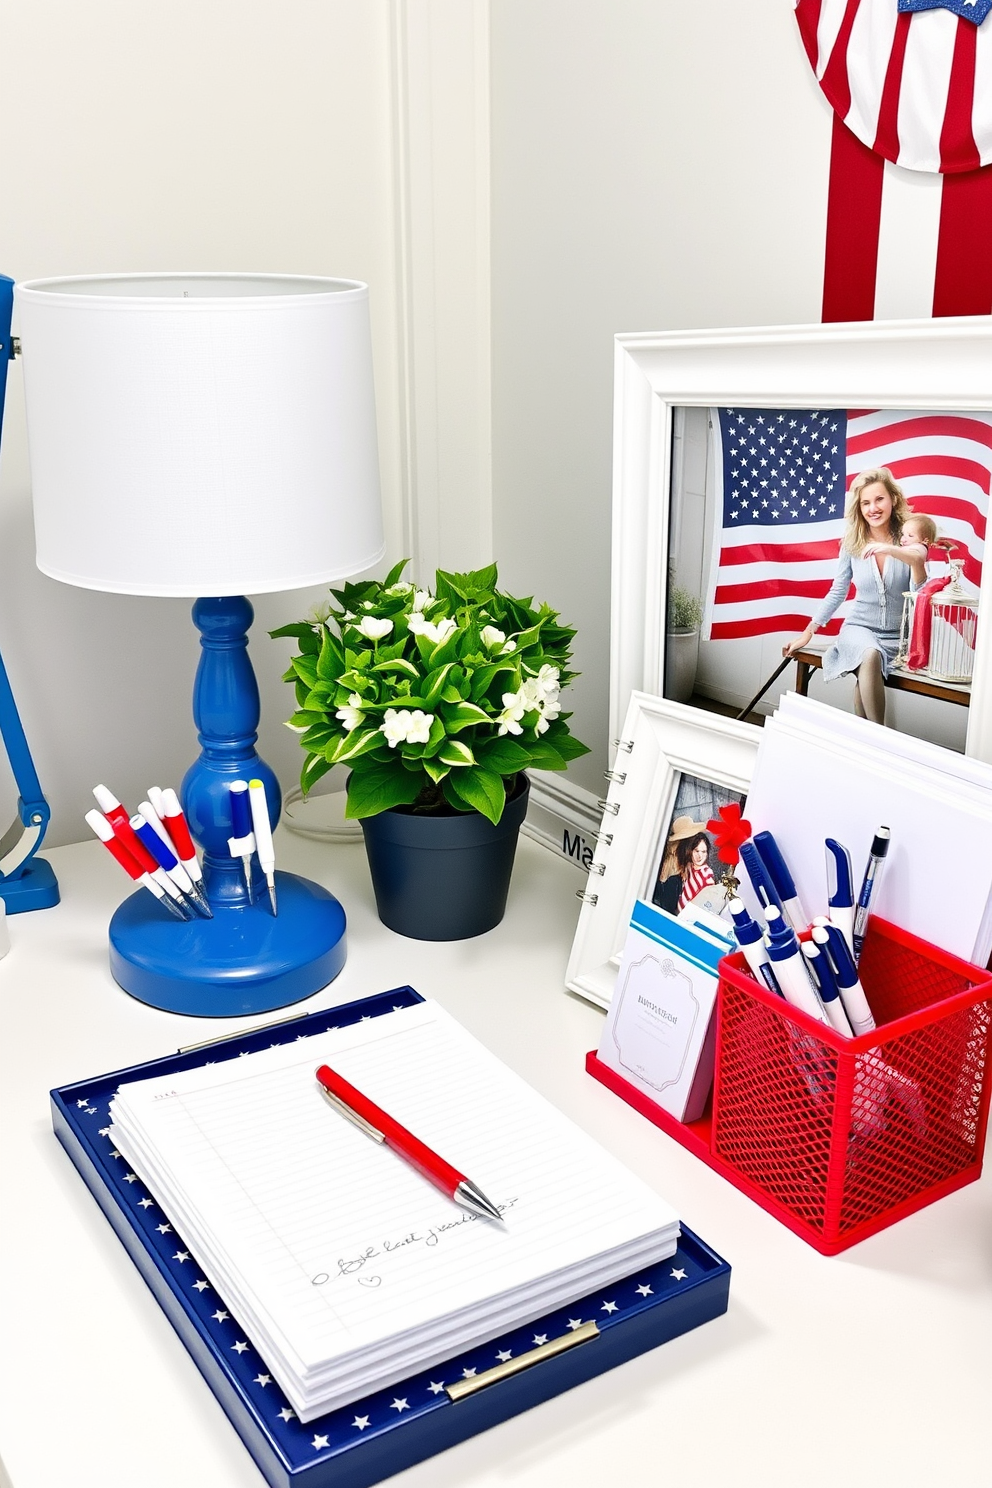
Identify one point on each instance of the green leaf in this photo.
(305, 668)
(485, 677)
(360, 741)
(434, 684)
(314, 767)
(317, 738)
(436, 770)
(483, 790)
(330, 661)
(375, 787)
(393, 576)
(566, 744)
(463, 715)
(455, 754)
(505, 756)
(301, 720)
(544, 756)
(397, 664)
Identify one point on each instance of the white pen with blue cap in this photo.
(851, 991)
(840, 888)
(818, 962)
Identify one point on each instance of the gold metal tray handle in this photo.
(463, 1387)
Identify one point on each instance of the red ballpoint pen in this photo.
(375, 1123)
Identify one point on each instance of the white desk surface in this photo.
(871, 1367)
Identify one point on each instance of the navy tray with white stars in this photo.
(382, 1433)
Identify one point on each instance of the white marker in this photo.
(263, 836)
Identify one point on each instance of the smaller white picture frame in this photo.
(660, 741)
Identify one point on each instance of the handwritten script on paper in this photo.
(355, 1266)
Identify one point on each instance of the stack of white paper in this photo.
(823, 773)
(346, 1269)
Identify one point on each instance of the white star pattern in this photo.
(201, 1286)
(360, 1422)
(262, 1379)
(145, 1203)
(130, 1177)
(469, 1373)
(645, 1291)
(540, 1338)
(436, 1386)
(105, 1131)
(164, 1229)
(182, 1256)
(678, 1274)
(220, 1316)
(574, 1323)
(318, 1443)
(504, 1354)
(239, 1347)
(609, 1307)
(286, 1414)
(399, 1405)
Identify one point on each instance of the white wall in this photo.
(231, 134)
(655, 165)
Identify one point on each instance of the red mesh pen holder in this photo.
(839, 1138)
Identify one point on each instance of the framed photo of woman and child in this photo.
(797, 506)
(819, 491)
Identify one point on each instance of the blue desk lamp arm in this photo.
(24, 884)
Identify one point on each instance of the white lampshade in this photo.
(201, 434)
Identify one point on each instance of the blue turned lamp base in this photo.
(244, 960)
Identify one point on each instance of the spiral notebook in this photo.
(346, 1270)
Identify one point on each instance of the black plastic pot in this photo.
(443, 877)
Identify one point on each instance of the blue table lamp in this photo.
(208, 435)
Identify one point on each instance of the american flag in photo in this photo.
(785, 476)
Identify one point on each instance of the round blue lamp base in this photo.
(244, 960)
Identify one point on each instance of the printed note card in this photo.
(660, 1032)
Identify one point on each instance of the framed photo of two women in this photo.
(810, 494)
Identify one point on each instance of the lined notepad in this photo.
(346, 1269)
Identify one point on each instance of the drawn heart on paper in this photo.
(372, 1281)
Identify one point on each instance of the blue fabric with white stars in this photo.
(971, 10)
(782, 467)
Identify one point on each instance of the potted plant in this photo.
(438, 702)
(685, 616)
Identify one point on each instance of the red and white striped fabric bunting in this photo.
(915, 88)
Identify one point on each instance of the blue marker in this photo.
(879, 847)
(777, 870)
(851, 991)
(242, 843)
(166, 861)
(760, 881)
(818, 962)
(840, 888)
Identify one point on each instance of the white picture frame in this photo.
(659, 742)
(940, 365)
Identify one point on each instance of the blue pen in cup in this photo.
(851, 991)
(242, 843)
(777, 870)
(750, 938)
(818, 963)
(760, 881)
(879, 848)
(840, 888)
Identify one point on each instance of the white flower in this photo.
(351, 715)
(374, 629)
(515, 705)
(421, 599)
(492, 637)
(540, 694)
(400, 588)
(436, 633)
(402, 724)
(420, 727)
(547, 681)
